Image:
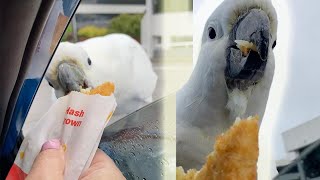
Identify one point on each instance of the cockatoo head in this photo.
(68, 69)
(245, 30)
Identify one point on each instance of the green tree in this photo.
(67, 36)
(127, 24)
(91, 31)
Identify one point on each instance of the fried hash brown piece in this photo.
(234, 157)
(105, 89)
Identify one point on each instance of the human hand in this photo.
(50, 164)
(102, 167)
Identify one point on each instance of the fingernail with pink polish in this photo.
(51, 144)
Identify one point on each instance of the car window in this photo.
(148, 58)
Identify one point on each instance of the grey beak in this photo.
(71, 77)
(255, 27)
(244, 70)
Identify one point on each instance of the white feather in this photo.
(205, 108)
(237, 102)
(117, 58)
(121, 59)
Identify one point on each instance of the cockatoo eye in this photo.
(274, 44)
(89, 61)
(50, 84)
(212, 33)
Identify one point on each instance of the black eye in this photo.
(50, 84)
(212, 33)
(89, 61)
(274, 44)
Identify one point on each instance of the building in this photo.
(303, 144)
(166, 26)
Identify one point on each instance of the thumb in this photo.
(49, 164)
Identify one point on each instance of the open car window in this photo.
(136, 46)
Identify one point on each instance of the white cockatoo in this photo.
(116, 58)
(231, 79)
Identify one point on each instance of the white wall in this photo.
(146, 24)
(172, 24)
(166, 25)
(300, 101)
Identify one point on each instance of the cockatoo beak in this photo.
(247, 50)
(72, 78)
